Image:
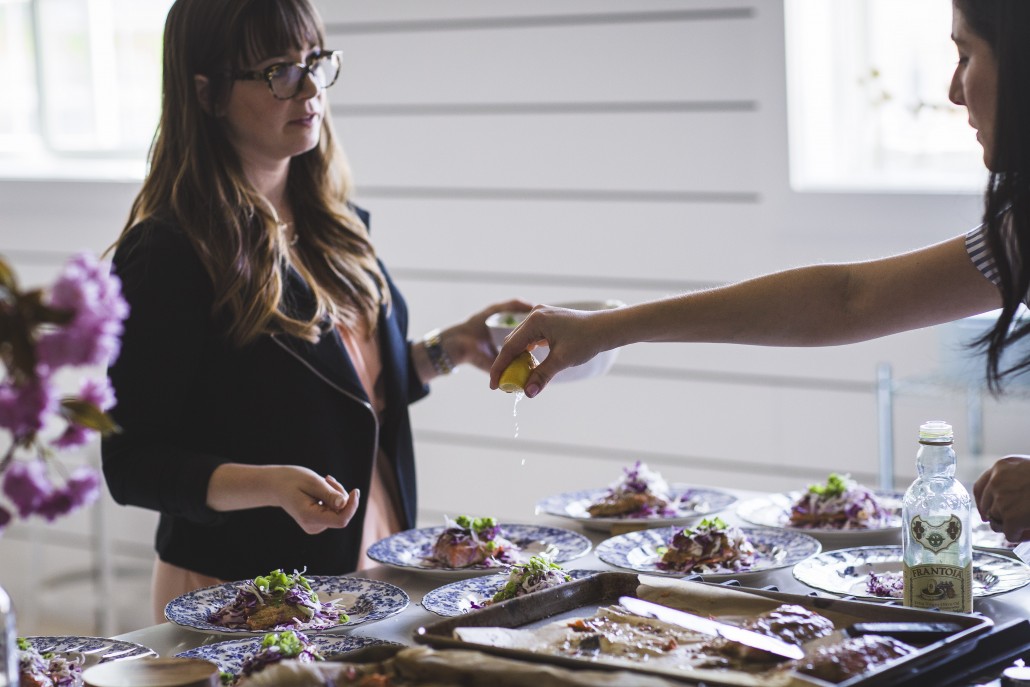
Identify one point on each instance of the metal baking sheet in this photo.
(582, 597)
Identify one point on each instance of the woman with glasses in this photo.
(265, 373)
(826, 305)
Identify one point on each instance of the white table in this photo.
(168, 639)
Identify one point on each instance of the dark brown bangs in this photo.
(269, 28)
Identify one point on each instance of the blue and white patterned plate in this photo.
(365, 601)
(90, 650)
(695, 503)
(846, 571)
(229, 655)
(773, 549)
(773, 510)
(408, 550)
(457, 597)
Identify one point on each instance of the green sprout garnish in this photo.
(477, 525)
(287, 641)
(509, 321)
(708, 524)
(23, 644)
(835, 486)
(536, 565)
(276, 583)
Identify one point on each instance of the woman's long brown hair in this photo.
(196, 180)
(1004, 25)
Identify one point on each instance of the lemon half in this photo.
(515, 375)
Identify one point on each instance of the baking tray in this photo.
(582, 597)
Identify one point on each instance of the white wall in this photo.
(585, 149)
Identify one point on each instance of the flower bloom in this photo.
(27, 486)
(5, 517)
(25, 407)
(94, 296)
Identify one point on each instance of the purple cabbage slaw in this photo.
(251, 594)
(486, 535)
(276, 647)
(887, 584)
(709, 538)
(63, 672)
(841, 494)
(640, 479)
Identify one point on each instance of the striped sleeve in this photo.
(980, 253)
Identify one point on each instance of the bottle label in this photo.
(947, 587)
(935, 538)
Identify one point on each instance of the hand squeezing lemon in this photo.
(516, 374)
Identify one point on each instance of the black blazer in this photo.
(189, 402)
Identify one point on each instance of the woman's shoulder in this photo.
(155, 249)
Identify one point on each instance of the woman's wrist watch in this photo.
(442, 363)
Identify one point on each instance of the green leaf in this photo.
(85, 414)
(7, 278)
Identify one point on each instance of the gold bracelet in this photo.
(442, 362)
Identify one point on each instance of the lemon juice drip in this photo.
(515, 413)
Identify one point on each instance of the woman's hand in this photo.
(573, 337)
(468, 341)
(316, 503)
(1003, 497)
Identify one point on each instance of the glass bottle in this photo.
(936, 543)
(8, 643)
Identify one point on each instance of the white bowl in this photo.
(500, 325)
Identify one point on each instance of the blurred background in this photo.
(556, 151)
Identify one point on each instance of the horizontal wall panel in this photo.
(745, 426)
(666, 60)
(669, 245)
(63, 216)
(702, 152)
(404, 11)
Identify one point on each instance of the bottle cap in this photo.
(936, 432)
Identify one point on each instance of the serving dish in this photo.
(90, 650)
(466, 595)
(694, 503)
(846, 571)
(773, 510)
(773, 549)
(230, 654)
(409, 550)
(500, 325)
(582, 597)
(364, 601)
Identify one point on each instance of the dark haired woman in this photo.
(265, 373)
(985, 269)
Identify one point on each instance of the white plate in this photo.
(774, 548)
(229, 655)
(773, 510)
(574, 504)
(90, 651)
(408, 550)
(846, 571)
(365, 601)
(458, 597)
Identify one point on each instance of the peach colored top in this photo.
(382, 509)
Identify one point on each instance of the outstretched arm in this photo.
(818, 305)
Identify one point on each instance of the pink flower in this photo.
(81, 489)
(27, 486)
(95, 297)
(98, 392)
(25, 407)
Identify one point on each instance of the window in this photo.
(868, 98)
(84, 82)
